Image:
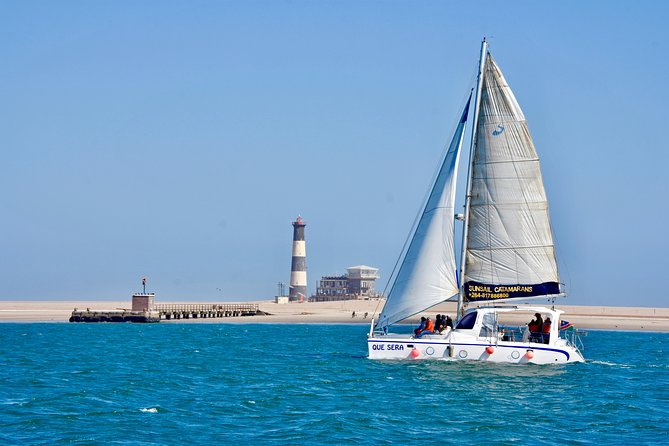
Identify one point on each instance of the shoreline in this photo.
(340, 312)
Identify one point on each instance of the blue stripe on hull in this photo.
(478, 345)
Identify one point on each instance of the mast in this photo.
(477, 104)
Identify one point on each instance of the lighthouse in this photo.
(298, 270)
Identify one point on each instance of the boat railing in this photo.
(573, 337)
(521, 334)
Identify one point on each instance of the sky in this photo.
(177, 140)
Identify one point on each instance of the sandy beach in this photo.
(593, 317)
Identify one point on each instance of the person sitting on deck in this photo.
(546, 330)
(439, 323)
(445, 324)
(535, 326)
(421, 327)
(429, 328)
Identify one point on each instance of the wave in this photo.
(611, 364)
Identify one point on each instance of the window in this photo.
(467, 322)
(489, 325)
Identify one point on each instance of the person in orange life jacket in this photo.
(547, 326)
(429, 328)
(546, 329)
(535, 327)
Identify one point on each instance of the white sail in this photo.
(510, 252)
(428, 275)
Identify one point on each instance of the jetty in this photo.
(144, 309)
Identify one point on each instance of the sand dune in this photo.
(597, 317)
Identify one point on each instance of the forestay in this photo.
(510, 252)
(427, 275)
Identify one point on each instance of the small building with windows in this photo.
(357, 283)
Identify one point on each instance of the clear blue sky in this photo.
(177, 140)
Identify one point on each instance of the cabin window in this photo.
(489, 325)
(467, 322)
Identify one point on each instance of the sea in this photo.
(175, 384)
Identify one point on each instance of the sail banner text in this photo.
(475, 291)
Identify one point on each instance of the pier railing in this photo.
(187, 311)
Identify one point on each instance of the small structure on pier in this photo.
(143, 301)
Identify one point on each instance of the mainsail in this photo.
(428, 275)
(509, 247)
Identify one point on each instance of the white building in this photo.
(357, 283)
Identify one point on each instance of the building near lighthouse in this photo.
(298, 271)
(357, 283)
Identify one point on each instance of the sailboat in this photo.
(508, 253)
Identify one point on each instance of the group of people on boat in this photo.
(428, 326)
(539, 329)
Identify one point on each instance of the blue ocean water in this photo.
(296, 384)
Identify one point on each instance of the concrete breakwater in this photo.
(89, 315)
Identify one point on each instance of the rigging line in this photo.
(421, 212)
(402, 255)
(409, 238)
(414, 226)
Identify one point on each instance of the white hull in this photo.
(465, 347)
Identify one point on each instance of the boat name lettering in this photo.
(387, 347)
